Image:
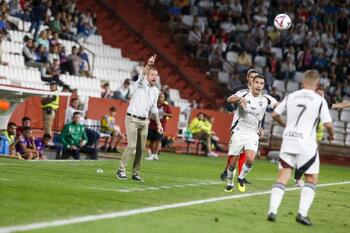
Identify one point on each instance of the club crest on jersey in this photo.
(261, 103)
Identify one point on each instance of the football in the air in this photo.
(282, 22)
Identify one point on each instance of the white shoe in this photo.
(212, 154)
(156, 157)
(299, 183)
(150, 157)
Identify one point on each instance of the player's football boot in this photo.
(303, 220)
(229, 188)
(241, 185)
(223, 175)
(272, 217)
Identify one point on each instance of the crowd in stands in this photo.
(50, 22)
(318, 38)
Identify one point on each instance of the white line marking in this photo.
(125, 213)
(157, 188)
(4, 179)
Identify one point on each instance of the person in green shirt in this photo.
(74, 139)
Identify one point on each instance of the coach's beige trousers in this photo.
(48, 121)
(136, 133)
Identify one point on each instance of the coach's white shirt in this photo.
(304, 109)
(250, 118)
(144, 98)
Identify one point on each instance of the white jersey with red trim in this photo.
(304, 109)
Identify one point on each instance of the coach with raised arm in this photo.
(143, 101)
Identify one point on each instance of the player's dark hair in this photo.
(76, 113)
(113, 109)
(47, 136)
(26, 119)
(27, 128)
(259, 76)
(10, 124)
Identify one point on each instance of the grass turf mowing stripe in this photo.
(126, 213)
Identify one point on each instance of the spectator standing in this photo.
(154, 137)
(49, 105)
(37, 16)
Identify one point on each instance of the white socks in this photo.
(245, 170)
(277, 194)
(307, 195)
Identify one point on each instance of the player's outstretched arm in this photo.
(276, 117)
(150, 63)
(341, 105)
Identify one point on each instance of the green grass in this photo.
(43, 191)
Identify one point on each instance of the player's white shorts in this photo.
(310, 163)
(243, 140)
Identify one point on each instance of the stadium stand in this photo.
(204, 49)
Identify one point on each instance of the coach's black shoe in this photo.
(136, 178)
(272, 217)
(223, 175)
(121, 175)
(303, 220)
(103, 148)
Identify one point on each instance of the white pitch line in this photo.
(4, 179)
(157, 188)
(125, 213)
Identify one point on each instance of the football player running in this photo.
(245, 127)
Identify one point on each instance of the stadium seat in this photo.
(232, 57)
(187, 20)
(277, 51)
(279, 84)
(334, 114)
(260, 61)
(292, 86)
(348, 129)
(277, 131)
(339, 139)
(347, 140)
(345, 116)
(223, 77)
(174, 94)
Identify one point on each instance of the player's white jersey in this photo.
(250, 118)
(304, 109)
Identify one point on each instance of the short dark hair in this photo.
(10, 124)
(259, 76)
(27, 128)
(47, 136)
(113, 109)
(73, 99)
(26, 119)
(76, 113)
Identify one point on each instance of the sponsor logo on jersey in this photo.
(293, 134)
(261, 103)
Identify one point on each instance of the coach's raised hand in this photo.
(152, 60)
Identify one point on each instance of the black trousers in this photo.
(90, 151)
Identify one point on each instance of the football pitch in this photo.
(181, 193)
